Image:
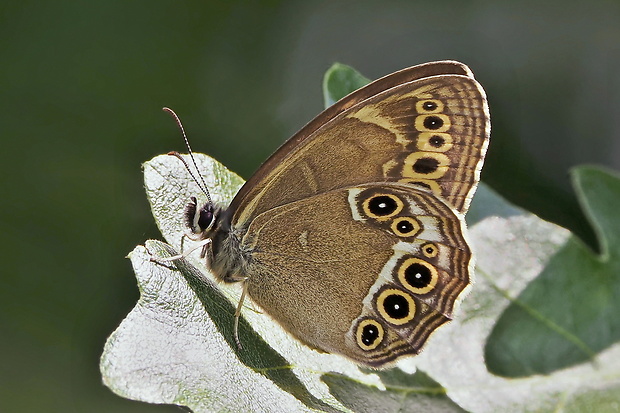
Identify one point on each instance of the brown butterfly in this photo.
(351, 235)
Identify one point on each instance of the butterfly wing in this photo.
(427, 125)
(368, 271)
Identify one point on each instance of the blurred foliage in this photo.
(568, 314)
(82, 88)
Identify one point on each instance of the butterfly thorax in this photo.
(227, 260)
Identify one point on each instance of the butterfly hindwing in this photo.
(379, 245)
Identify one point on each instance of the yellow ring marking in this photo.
(417, 290)
(419, 123)
(414, 222)
(424, 142)
(443, 164)
(366, 208)
(360, 331)
(424, 183)
(419, 106)
(429, 250)
(396, 321)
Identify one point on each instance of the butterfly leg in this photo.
(204, 244)
(238, 314)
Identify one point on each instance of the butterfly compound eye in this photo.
(198, 220)
(205, 218)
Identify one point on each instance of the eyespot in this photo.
(434, 142)
(432, 123)
(425, 183)
(417, 276)
(369, 334)
(429, 106)
(382, 206)
(429, 250)
(396, 306)
(406, 226)
(427, 165)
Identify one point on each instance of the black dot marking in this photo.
(418, 275)
(430, 106)
(370, 334)
(425, 165)
(429, 250)
(382, 205)
(433, 122)
(436, 141)
(404, 226)
(396, 306)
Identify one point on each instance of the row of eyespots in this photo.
(395, 306)
(430, 116)
(382, 207)
(430, 161)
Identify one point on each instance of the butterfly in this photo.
(352, 235)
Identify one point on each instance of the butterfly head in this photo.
(201, 219)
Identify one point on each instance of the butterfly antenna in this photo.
(202, 186)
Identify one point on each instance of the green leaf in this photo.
(339, 81)
(403, 393)
(488, 203)
(571, 311)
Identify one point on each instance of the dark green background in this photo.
(83, 83)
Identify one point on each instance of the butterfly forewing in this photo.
(432, 132)
(442, 129)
